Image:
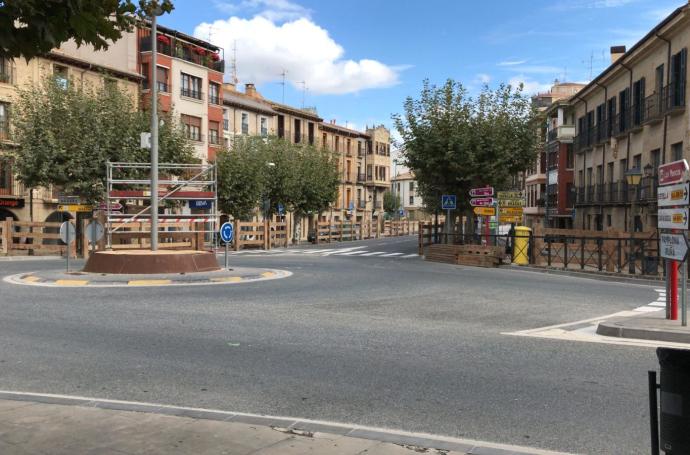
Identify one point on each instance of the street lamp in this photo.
(155, 11)
(633, 177)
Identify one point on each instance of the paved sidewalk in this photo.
(56, 425)
(649, 326)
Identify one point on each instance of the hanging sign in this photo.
(672, 195)
(676, 218)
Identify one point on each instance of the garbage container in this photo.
(521, 245)
(675, 394)
(651, 265)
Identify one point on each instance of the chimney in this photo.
(230, 87)
(250, 90)
(616, 53)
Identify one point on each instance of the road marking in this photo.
(374, 253)
(391, 255)
(267, 274)
(148, 282)
(71, 282)
(411, 255)
(342, 250)
(351, 253)
(31, 279)
(142, 406)
(227, 279)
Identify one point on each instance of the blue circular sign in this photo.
(226, 232)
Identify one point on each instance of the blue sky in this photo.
(359, 59)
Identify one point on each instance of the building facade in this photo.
(404, 186)
(632, 116)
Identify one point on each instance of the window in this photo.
(608, 220)
(569, 156)
(298, 131)
(580, 179)
(60, 73)
(609, 172)
(369, 172)
(622, 168)
(601, 121)
(213, 93)
(281, 126)
(677, 151)
(589, 177)
(411, 187)
(411, 200)
(324, 140)
(638, 102)
(6, 71)
(310, 133)
(213, 136)
(397, 187)
(263, 122)
(359, 148)
(337, 143)
(191, 127)
(349, 147)
(226, 120)
(369, 148)
(191, 86)
(146, 75)
(676, 89)
(245, 123)
(637, 162)
(624, 104)
(162, 79)
(4, 121)
(655, 159)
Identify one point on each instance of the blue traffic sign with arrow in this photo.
(449, 202)
(227, 232)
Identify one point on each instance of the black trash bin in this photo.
(675, 400)
(651, 265)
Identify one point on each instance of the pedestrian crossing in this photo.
(657, 305)
(358, 251)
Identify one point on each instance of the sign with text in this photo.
(672, 195)
(484, 211)
(673, 172)
(75, 208)
(511, 202)
(676, 218)
(13, 203)
(68, 200)
(481, 192)
(510, 211)
(673, 246)
(200, 204)
(113, 206)
(511, 219)
(482, 202)
(509, 195)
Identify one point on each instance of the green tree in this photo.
(31, 28)
(453, 142)
(391, 203)
(66, 135)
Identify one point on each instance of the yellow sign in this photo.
(75, 208)
(509, 195)
(510, 211)
(511, 219)
(511, 202)
(485, 211)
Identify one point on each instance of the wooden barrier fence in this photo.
(32, 237)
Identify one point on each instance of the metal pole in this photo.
(631, 258)
(93, 235)
(226, 255)
(653, 412)
(683, 295)
(68, 244)
(154, 136)
(448, 227)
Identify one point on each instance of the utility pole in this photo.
(284, 73)
(154, 129)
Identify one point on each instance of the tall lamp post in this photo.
(155, 11)
(633, 177)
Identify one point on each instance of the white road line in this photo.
(657, 304)
(342, 250)
(391, 254)
(374, 253)
(411, 255)
(351, 253)
(647, 309)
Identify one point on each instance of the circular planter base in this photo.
(138, 262)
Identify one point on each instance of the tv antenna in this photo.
(233, 63)
(283, 74)
(304, 91)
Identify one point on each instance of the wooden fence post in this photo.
(237, 234)
(267, 234)
(84, 240)
(9, 227)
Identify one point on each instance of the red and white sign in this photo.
(482, 202)
(480, 192)
(114, 206)
(673, 172)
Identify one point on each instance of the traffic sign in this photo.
(75, 208)
(67, 199)
(511, 219)
(94, 231)
(449, 202)
(113, 206)
(485, 211)
(675, 218)
(201, 204)
(673, 172)
(227, 232)
(67, 232)
(673, 246)
(509, 195)
(482, 202)
(511, 202)
(672, 195)
(281, 208)
(482, 192)
(510, 211)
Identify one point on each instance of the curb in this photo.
(29, 258)
(28, 279)
(617, 329)
(601, 276)
(420, 440)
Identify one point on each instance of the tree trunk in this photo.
(297, 228)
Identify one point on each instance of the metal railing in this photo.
(5, 132)
(214, 99)
(12, 188)
(182, 49)
(190, 93)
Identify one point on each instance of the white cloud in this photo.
(512, 62)
(305, 50)
(537, 69)
(566, 5)
(661, 14)
(530, 86)
(483, 78)
(273, 10)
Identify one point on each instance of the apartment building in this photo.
(189, 75)
(68, 64)
(632, 116)
(535, 178)
(298, 126)
(405, 187)
(246, 114)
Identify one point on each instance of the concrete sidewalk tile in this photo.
(6, 405)
(409, 440)
(298, 445)
(126, 407)
(321, 428)
(264, 421)
(492, 451)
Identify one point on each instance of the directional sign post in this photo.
(482, 202)
(448, 202)
(673, 246)
(226, 234)
(671, 195)
(482, 192)
(484, 211)
(674, 218)
(67, 235)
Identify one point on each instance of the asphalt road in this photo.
(384, 341)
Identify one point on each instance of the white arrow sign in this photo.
(673, 218)
(673, 246)
(673, 195)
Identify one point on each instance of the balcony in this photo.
(361, 178)
(178, 48)
(564, 133)
(12, 187)
(361, 204)
(349, 177)
(653, 108)
(191, 93)
(214, 99)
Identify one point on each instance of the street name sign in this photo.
(673, 246)
(511, 219)
(113, 206)
(509, 195)
(673, 172)
(482, 202)
(485, 211)
(673, 195)
(200, 204)
(482, 192)
(675, 218)
(511, 202)
(75, 208)
(67, 199)
(510, 211)
(449, 202)
(227, 232)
